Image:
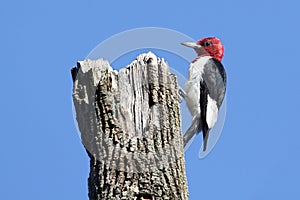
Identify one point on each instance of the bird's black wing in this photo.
(214, 76)
(212, 85)
(203, 107)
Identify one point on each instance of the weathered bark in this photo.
(130, 126)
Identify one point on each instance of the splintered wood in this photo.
(130, 126)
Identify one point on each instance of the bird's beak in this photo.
(192, 45)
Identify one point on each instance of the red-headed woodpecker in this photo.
(205, 87)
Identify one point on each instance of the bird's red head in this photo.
(210, 46)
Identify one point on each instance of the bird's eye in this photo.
(206, 43)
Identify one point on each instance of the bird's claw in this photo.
(182, 94)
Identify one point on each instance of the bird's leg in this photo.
(181, 93)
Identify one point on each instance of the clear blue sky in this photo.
(258, 154)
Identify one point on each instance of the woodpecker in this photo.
(205, 87)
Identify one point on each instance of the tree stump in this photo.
(130, 126)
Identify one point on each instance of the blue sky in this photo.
(258, 154)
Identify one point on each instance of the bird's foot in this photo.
(181, 93)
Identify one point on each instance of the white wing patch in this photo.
(211, 112)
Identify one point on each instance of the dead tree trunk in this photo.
(130, 127)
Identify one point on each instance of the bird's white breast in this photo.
(192, 86)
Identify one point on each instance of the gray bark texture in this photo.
(130, 126)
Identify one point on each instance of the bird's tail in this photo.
(195, 128)
(205, 136)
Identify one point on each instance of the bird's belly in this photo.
(192, 89)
